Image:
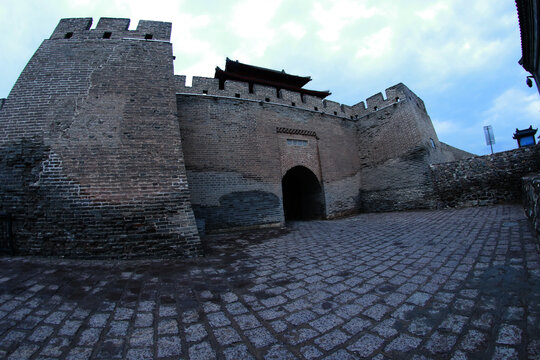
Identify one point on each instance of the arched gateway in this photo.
(302, 195)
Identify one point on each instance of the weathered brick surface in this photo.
(368, 159)
(91, 159)
(92, 152)
(485, 180)
(397, 144)
(531, 202)
(244, 145)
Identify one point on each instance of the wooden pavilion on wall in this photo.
(525, 137)
(250, 74)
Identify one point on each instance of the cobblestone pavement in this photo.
(431, 284)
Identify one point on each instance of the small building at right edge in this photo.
(525, 137)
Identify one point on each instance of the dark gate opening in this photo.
(302, 195)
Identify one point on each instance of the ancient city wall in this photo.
(396, 145)
(90, 155)
(485, 180)
(384, 166)
(531, 202)
(238, 89)
(238, 150)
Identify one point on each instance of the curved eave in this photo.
(265, 74)
(225, 75)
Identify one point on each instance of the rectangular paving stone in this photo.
(300, 317)
(274, 301)
(421, 326)
(463, 305)
(229, 297)
(110, 349)
(377, 311)
(453, 323)
(271, 314)
(218, 319)
(440, 343)
(505, 353)
(168, 346)
(331, 340)
(79, 353)
(509, 335)
(24, 351)
(55, 318)
(89, 337)
(236, 308)
(356, 325)
(167, 311)
(260, 337)
(226, 335)
(139, 353)
(474, 341)
(79, 314)
(168, 326)
(41, 333)
(349, 310)
(147, 305)
(247, 321)
(70, 327)
(325, 323)
(419, 298)
(484, 321)
(403, 343)
(394, 299)
(346, 297)
(202, 351)
(297, 336)
(366, 345)
(311, 352)
(55, 347)
(278, 326)
(386, 328)
(195, 332)
(98, 320)
(144, 319)
(142, 337)
(19, 314)
(296, 293)
(210, 306)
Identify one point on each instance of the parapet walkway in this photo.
(428, 284)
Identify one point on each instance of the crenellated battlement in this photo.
(237, 89)
(111, 28)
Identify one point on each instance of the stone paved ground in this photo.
(433, 284)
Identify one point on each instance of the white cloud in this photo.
(376, 45)
(294, 30)
(432, 12)
(513, 106)
(252, 28)
(333, 16)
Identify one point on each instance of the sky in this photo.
(461, 57)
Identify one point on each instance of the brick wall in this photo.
(368, 158)
(234, 144)
(531, 202)
(397, 143)
(91, 159)
(484, 180)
